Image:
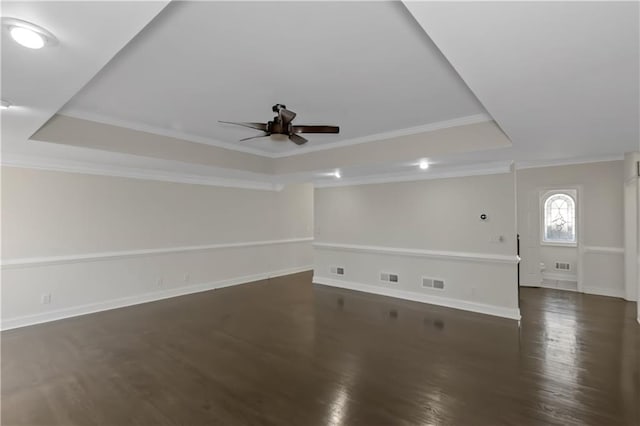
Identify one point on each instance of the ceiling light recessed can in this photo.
(4, 104)
(424, 164)
(27, 34)
(337, 174)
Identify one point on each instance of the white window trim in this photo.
(544, 195)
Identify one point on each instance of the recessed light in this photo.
(424, 164)
(5, 104)
(337, 174)
(27, 34)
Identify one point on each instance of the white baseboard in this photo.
(511, 313)
(26, 320)
(552, 287)
(559, 276)
(588, 290)
(610, 292)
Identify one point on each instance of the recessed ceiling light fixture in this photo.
(4, 104)
(27, 34)
(337, 174)
(424, 164)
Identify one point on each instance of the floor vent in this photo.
(337, 270)
(432, 283)
(563, 266)
(388, 277)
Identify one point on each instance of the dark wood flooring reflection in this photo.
(285, 352)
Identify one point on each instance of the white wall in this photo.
(550, 254)
(94, 242)
(631, 246)
(429, 228)
(600, 222)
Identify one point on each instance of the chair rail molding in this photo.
(92, 257)
(410, 252)
(603, 250)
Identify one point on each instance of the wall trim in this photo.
(550, 287)
(28, 262)
(610, 292)
(534, 164)
(175, 134)
(559, 276)
(493, 168)
(426, 128)
(499, 311)
(102, 169)
(595, 291)
(409, 252)
(461, 121)
(26, 320)
(603, 250)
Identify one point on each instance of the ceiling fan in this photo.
(281, 125)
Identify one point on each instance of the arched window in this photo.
(559, 214)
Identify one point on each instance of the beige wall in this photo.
(439, 214)
(466, 138)
(90, 134)
(46, 215)
(424, 228)
(600, 217)
(550, 254)
(631, 211)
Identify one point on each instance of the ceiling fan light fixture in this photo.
(281, 127)
(27, 34)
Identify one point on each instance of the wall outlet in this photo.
(186, 277)
(45, 298)
(160, 283)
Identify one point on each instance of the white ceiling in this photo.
(366, 66)
(560, 78)
(39, 82)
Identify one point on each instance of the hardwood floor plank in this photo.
(286, 352)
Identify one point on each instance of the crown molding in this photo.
(417, 175)
(100, 169)
(521, 165)
(130, 125)
(462, 121)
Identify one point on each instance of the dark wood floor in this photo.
(285, 352)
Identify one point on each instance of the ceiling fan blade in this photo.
(315, 129)
(257, 126)
(255, 137)
(297, 139)
(287, 116)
